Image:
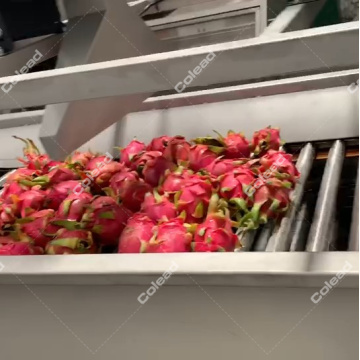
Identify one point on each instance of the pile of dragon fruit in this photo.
(172, 195)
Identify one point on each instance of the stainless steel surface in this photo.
(21, 119)
(215, 269)
(295, 17)
(282, 239)
(336, 49)
(266, 88)
(247, 240)
(263, 236)
(299, 229)
(4, 177)
(354, 231)
(326, 202)
(92, 42)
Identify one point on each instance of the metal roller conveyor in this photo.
(300, 228)
(263, 237)
(282, 240)
(247, 240)
(354, 232)
(325, 207)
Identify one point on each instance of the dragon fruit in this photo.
(233, 146)
(31, 201)
(81, 158)
(264, 140)
(34, 160)
(107, 219)
(174, 181)
(169, 237)
(280, 165)
(133, 148)
(58, 193)
(177, 150)
(193, 199)
(37, 228)
(71, 242)
(101, 169)
(200, 157)
(136, 235)
(130, 188)
(159, 144)
(20, 248)
(271, 200)
(152, 166)
(215, 234)
(235, 185)
(13, 188)
(22, 174)
(74, 206)
(158, 207)
(222, 166)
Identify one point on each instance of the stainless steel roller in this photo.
(301, 225)
(263, 236)
(247, 240)
(282, 240)
(326, 204)
(354, 232)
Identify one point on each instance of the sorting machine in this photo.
(114, 78)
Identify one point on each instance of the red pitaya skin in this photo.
(271, 200)
(31, 201)
(236, 146)
(50, 165)
(159, 144)
(193, 199)
(264, 140)
(38, 231)
(130, 188)
(81, 158)
(136, 235)
(170, 237)
(158, 207)
(13, 188)
(34, 160)
(278, 164)
(20, 248)
(133, 148)
(222, 166)
(174, 181)
(200, 157)
(22, 174)
(56, 175)
(74, 206)
(71, 242)
(177, 150)
(235, 185)
(107, 219)
(215, 234)
(58, 193)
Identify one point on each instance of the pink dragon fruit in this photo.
(130, 188)
(222, 166)
(58, 193)
(177, 150)
(174, 181)
(193, 199)
(200, 157)
(71, 242)
(31, 201)
(136, 235)
(37, 228)
(20, 248)
(152, 166)
(170, 237)
(215, 234)
(107, 219)
(13, 188)
(56, 175)
(264, 140)
(133, 148)
(22, 174)
(34, 160)
(233, 146)
(158, 207)
(81, 158)
(101, 169)
(278, 164)
(271, 200)
(74, 206)
(159, 144)
(235, 187)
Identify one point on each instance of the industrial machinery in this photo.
(116, 76)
